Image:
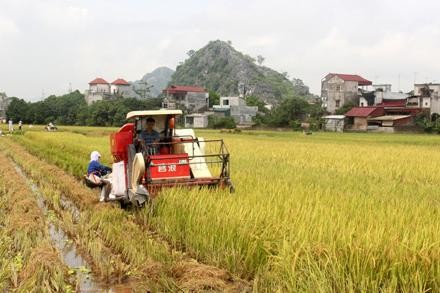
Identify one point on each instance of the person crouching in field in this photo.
(99, 174)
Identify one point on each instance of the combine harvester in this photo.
(140, 170)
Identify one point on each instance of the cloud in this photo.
(61, 18)
(46, 44)
(7, 27)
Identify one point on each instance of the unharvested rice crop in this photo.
(326, 212)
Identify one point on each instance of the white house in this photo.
(334, 123)
(236, 108)
(119, 86)
(99, 85)
(196, 120)
(193, 98)
(100, 89)
(429, 94)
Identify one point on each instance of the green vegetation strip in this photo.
(28, 261)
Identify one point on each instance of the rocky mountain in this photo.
(221, 68)
(156, 80)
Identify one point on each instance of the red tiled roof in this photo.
(365, 112)
(183, 88)
(98, 80)
(350, 77)
(393, 103)
(120, 81)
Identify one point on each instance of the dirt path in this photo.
(147, 255)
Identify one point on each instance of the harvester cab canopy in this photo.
(164, 120)
(151, 113)
(161, 117)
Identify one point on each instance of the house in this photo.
(338, 89)
(196, 120)
(100, 89)
(334, 123)
(380, 96)
(99, 85)
(193, 98)
(358, 117)
(399, 108)
(382, 87)
(236, 108)
(429, 96)
(120, 87)
(389, 123)
(4, 102)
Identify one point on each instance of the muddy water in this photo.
(70, 206)
(71, 257)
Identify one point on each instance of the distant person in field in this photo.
(98, 174)
(20, 124)
(150, 137)
(10, 125)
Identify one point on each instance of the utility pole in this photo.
(70, 87)
(144, 90)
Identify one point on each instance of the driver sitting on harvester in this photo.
(150, 137)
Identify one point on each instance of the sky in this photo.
(49, 46)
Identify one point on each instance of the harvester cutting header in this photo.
(149, 154)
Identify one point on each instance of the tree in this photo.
(345, 108)
(143, 89)
(254, 101)
(260, 59)
(221, 122)
(190, 53)
(300, 88)
(290, 109)
(214, 98)
(425, 91)
(17, 110)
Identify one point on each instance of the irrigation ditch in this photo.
(86, 280)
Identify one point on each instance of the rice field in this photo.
(320, 213)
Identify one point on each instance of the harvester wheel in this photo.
(124, 204)
(139, 205)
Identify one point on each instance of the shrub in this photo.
(221, 122)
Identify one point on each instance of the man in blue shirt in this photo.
(96, 167)
(150, 137)
(97, 173)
